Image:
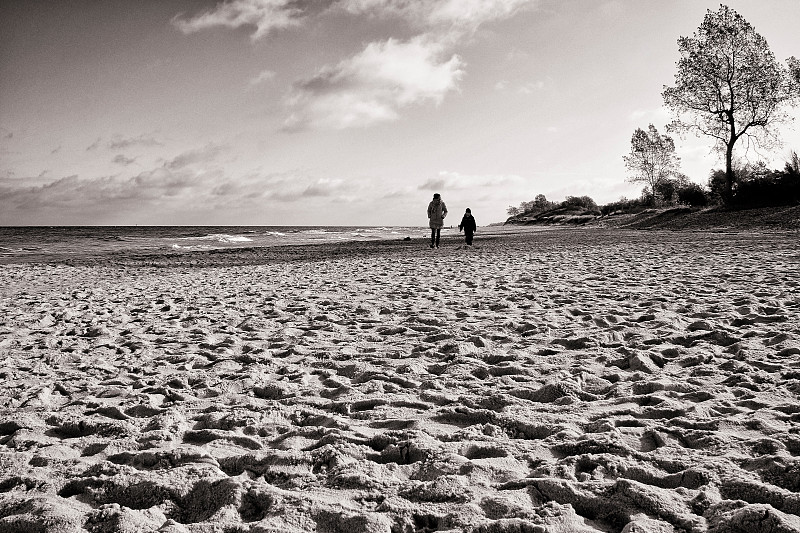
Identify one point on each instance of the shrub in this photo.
(580, 201)
(693, 194)
(717, 187)
(773, 189)
(666, 190)
(623, 205)
(534, 207)
(757, 186)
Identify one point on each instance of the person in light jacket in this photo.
(436, 213)
(468, 225)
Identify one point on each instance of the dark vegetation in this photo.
(754, 186)
(573, 210)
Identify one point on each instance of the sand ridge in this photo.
(579, 380)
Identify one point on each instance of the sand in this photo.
(551, 381)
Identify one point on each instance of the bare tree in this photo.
(652, 159)
(729, 86)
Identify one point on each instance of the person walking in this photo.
(437, 211)
(468, 225)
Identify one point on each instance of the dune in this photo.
(585, 380)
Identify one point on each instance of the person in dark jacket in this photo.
(436, 213)
(468, 225)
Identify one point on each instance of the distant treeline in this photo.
(542, 205)
(754, 185)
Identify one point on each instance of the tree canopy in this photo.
(729, 86)
(652, 159)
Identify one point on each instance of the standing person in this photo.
(468, 225)
(436, 213)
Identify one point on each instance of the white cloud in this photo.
(374, 85)
(462, 14)
(268, 15)
(265, 15)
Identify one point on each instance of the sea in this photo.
(55, 242)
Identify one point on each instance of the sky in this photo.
(338, 112)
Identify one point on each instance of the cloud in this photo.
(64, 192)
(269, 15)
(281, 187)
(265, 15)
(436, 184)
(201, 155)
(122, 160)
(118, 142)
(262, 77)
(293, 188)
(195, 181)
(374, 85)
(530, 88)
(166, 182)
(115, 195)
(447, 180)
(189, 175)
(458, 14)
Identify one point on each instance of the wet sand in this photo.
(582, 380)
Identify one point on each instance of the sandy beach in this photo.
(564, 380)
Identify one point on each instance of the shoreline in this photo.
(268, 253)
(490, 236)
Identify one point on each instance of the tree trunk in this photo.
(729, 177)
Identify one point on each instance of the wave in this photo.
(71, 241)
(10, 251)
(191, 247)
(219, 237)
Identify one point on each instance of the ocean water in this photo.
(52, 242)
